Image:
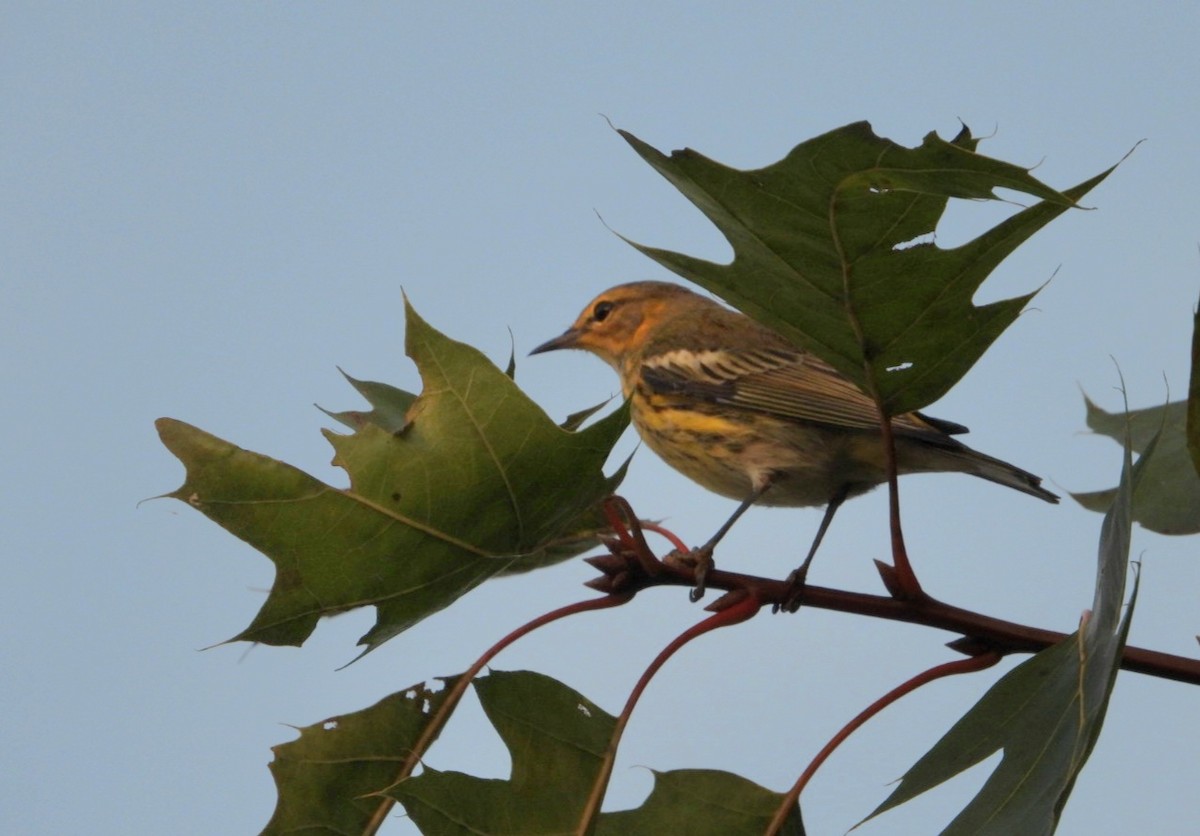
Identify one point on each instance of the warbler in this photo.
(747, 414)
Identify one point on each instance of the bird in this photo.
(747, 414)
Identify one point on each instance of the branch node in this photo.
(891, 580)
(729, 599)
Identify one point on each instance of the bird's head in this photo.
(618, 322)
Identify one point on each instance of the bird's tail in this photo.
(1001, 472)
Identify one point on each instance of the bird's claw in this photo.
(700, 561)
(795, 590)
(704, 564)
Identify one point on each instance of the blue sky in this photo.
(208, 208)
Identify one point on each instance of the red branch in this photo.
(626, 572)
(631, 567)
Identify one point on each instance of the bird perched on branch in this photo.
(742, 411)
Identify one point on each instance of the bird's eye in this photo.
(601, 311)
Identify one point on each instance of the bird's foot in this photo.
(700, 561)
(795, 590)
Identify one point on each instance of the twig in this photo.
(450, 701)
(975, 663)
(734, 610)
(638, 569)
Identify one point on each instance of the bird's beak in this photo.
(567, 339)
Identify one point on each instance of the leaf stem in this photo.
(439, 719)
(906, 583)
(975, 663)
(741, 609)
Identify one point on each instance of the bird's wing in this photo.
(780, 382)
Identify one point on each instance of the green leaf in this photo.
(556, 739)
(1045, 715)
(1167, 499)
(583, 534)
(323, 777)
(389, 406)
(1193, 416)
(575, 420)
(478, 481)
(830, 251)
(701, 802)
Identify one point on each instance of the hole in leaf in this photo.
(926, 239)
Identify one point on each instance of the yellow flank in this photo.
(702, 446)
(745, 413)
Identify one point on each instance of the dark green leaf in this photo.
(575, 420)
(477, 482)
(556, 739)
(830, 249)
(1167, 499)
(323, 777)
(701, 802)
(1046, 714)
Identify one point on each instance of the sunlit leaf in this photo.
(477, 481)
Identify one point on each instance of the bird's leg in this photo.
(702, 557)
(798, 578)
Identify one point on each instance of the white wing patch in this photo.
(717, 366)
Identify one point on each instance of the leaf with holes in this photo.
(325, 778)
(557, 739)
(830, 250)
